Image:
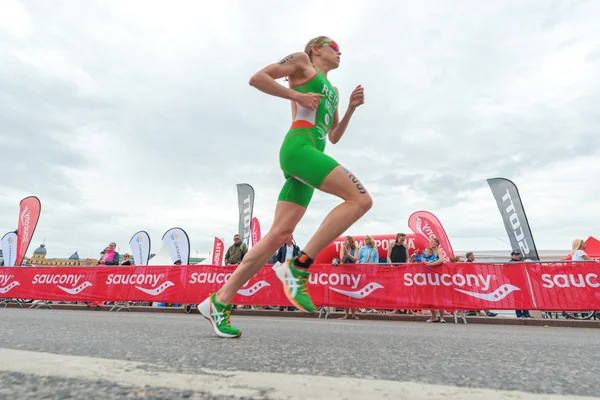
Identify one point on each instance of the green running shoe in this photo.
(295, 286)
(219, 314)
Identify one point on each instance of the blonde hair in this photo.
(351, 241)
(313, 43)
(370, 238)
(577, 243)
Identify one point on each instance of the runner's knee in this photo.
(365, 202)
(359, 194)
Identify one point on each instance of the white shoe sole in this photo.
(205, 309)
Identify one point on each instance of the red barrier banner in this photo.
(459, 286)
(565, 287)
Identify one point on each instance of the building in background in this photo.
(39, 259)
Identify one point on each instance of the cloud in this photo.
(138, 115)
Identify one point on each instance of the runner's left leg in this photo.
(287, 216)
(217, 307)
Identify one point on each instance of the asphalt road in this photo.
(56, 354)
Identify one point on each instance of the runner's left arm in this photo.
(339, 127)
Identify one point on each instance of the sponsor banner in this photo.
(565, 287)
(177, 242)
(255, 231)
(463, 286)
(428, 226)
(382, 242)
(9, 249)
(218, 252)
(245, 206)
(140, 248)
(513, 215)
(29, 215)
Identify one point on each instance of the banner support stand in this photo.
(41, 303)
(5, 302)
(121, 305)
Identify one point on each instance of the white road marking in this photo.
(244, 384)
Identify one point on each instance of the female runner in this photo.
(306, 167)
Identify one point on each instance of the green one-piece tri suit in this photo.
(301, 157)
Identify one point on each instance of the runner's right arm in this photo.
(292, 65)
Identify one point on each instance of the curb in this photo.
(563, 323)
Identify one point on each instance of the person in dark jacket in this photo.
(235, 254)
(515, 256)
(288, 250)
(110, 256)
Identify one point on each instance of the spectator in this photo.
(471, 258)
(177, 262)
(349, 255)
(235, 254)
(126, 260)
(349, 251)
(435, 251)
(102, 256)
(427, 256)
(578, 253)
(288, 250)
(515, 256)
(368, 253)
(107, 257)
(110, 256)
(398, 251)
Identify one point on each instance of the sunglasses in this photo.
(331, 44)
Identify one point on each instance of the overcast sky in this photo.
(137, 115)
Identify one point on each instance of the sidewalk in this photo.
(334, 316)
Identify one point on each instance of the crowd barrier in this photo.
(452, 286)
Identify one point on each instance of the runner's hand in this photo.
(309, 100)
(357, 97)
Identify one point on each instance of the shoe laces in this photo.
(227, 317)
(303, 284)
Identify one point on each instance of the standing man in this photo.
(235, 254)
(515, 256)
(288, 250)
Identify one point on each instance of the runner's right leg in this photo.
(299, 157)
(341, 183)
(217, 307)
